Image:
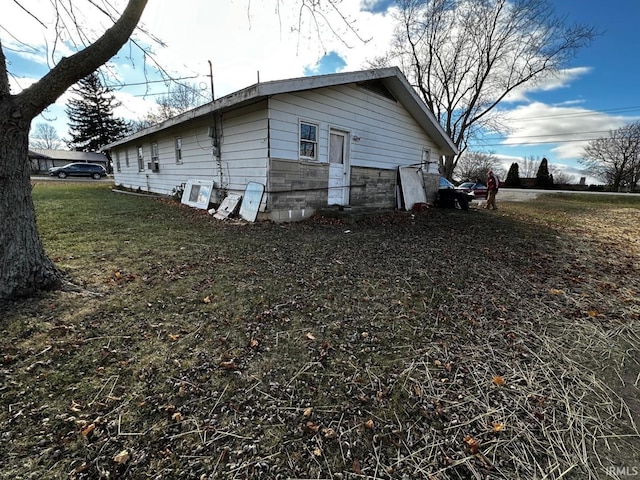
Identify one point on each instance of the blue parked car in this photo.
(92, 170)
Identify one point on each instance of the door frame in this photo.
(345, 190)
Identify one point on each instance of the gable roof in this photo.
(380, 79)
(70, 155)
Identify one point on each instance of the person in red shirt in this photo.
(493, 183)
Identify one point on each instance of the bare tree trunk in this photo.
(25, 267)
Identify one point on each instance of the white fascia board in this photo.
(392, 77)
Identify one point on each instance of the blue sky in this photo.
(246, 40)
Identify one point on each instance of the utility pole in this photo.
(211, 79)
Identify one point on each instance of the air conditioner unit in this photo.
(153, 166)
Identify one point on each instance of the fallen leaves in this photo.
(498, 380)
(329, 433)
(122, 457)
(497, 427)
(88, 430)
(472, 445)
(229, 364)
(404, 368)
(313, 427)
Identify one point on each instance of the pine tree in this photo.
(543, 179)
(91, 121)
(513, 176)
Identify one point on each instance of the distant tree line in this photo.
(474, 166)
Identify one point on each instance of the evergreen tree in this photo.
(513, 176)
(543, 178)
(91, 121)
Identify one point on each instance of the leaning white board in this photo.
(197, 193)
(228, 206)
(251, 202)
(412, 186)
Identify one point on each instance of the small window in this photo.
(308, 141)
(426, 162)
(154, 152)
(126, 157)
(140, 159)
(178, 149)
(118, 162)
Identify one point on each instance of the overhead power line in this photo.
(541, 142)
(578, 114)
(147, 82)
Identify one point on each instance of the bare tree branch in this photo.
(466, 56)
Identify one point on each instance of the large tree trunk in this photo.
(24, 267)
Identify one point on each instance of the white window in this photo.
(118, 162)
(155, 158)
(126, 157)
(426, 163)
(178, 149)
(308, 141)
(140, 159)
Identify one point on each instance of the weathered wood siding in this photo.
(243, 150)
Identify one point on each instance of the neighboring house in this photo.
(42, 160)
(312, 142)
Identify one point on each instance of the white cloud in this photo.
(569, 127)
(552, 81)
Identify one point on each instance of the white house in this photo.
(311, 142)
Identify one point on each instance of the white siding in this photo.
(388, 135)
(243, 148)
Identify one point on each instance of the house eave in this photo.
(392, 77)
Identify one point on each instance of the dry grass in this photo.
(443, 345)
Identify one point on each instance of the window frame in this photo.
(155, 152)
(126, 157)
(118, 168)
(140, 150)
(425, 160)
(177, 143)
(314, 142)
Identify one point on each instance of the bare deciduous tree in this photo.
(45, 136)
(24, 265)
(616, 158)
(181, 98)
(529, 166)
(466, 56)
(560, 177)
(475, 165)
